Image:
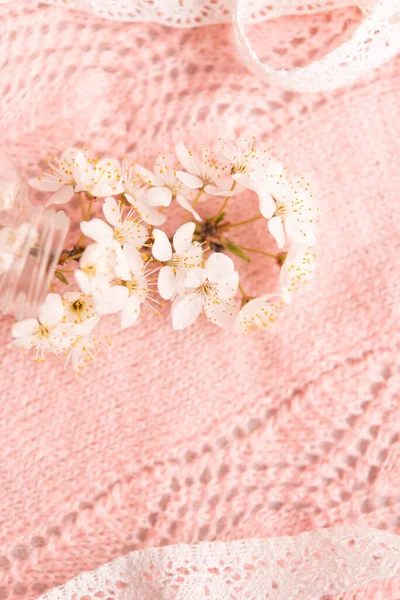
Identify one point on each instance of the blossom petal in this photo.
(166, 282)
(183, 237)
(222, 314)
(159, 196)
(62, 196)
(193, 257)
(106, 187)
(46, 183)
(83, 282)
(109, 165)
(24, 328)
(195, 277)
(260, 313)
(71, 296)
(267, 203)
(186, 158)
(191, 181)
(228, 286)
(186, 310)
(278, 185)
(275, 227)
(135, 259)
(26, 342)
(161, 249)
(297, 269)
(184, 202)
(259, 185)
(85, 327)
(136, 234)
(111, 210)
(69, 155)
(97, 230)
(299, 231)
(110, 299)
(81, 172)
(52, 310)
(146, 175)
(90, 255)
(214, 190)
(148, 213)
(218, 266)
(122, 268)
(130, 312)
(165, 169)
(109, 180)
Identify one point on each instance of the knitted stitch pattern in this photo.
(201, 435)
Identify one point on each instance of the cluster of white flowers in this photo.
(125, 262)
(63, 327)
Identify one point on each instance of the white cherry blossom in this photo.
(255, 169)
(205, 173)
(127, 294)
(82, 352)
(136, 184)
(85, 345)
(182, 255)
(165, 185)
(210, 290)
(98, 266)
(296, 214)
(75, 172)
(47, 334)
(139, 289)
(296, 270)
(122, 229)
(98, 178)
(60, 179)
(260, 313)
(79, 312)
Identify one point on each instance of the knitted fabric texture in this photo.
(200, 435)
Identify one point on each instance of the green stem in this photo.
(242, 291)
(240, 223)
(82, 204)
(89, 210)
(260, 252)
(195, 201)
(221, 210)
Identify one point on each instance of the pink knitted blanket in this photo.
(183, 437)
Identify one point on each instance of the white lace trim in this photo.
(194, 13)
(309, 565)
(375, 41)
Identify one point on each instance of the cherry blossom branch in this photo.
(125, 262)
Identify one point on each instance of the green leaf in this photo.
(236, 250)
(220, 218)
(61, 277)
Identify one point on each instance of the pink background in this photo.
(202, 435)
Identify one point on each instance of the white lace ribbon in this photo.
(376, 40)
(310, 565)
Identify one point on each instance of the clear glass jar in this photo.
(31, 241)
